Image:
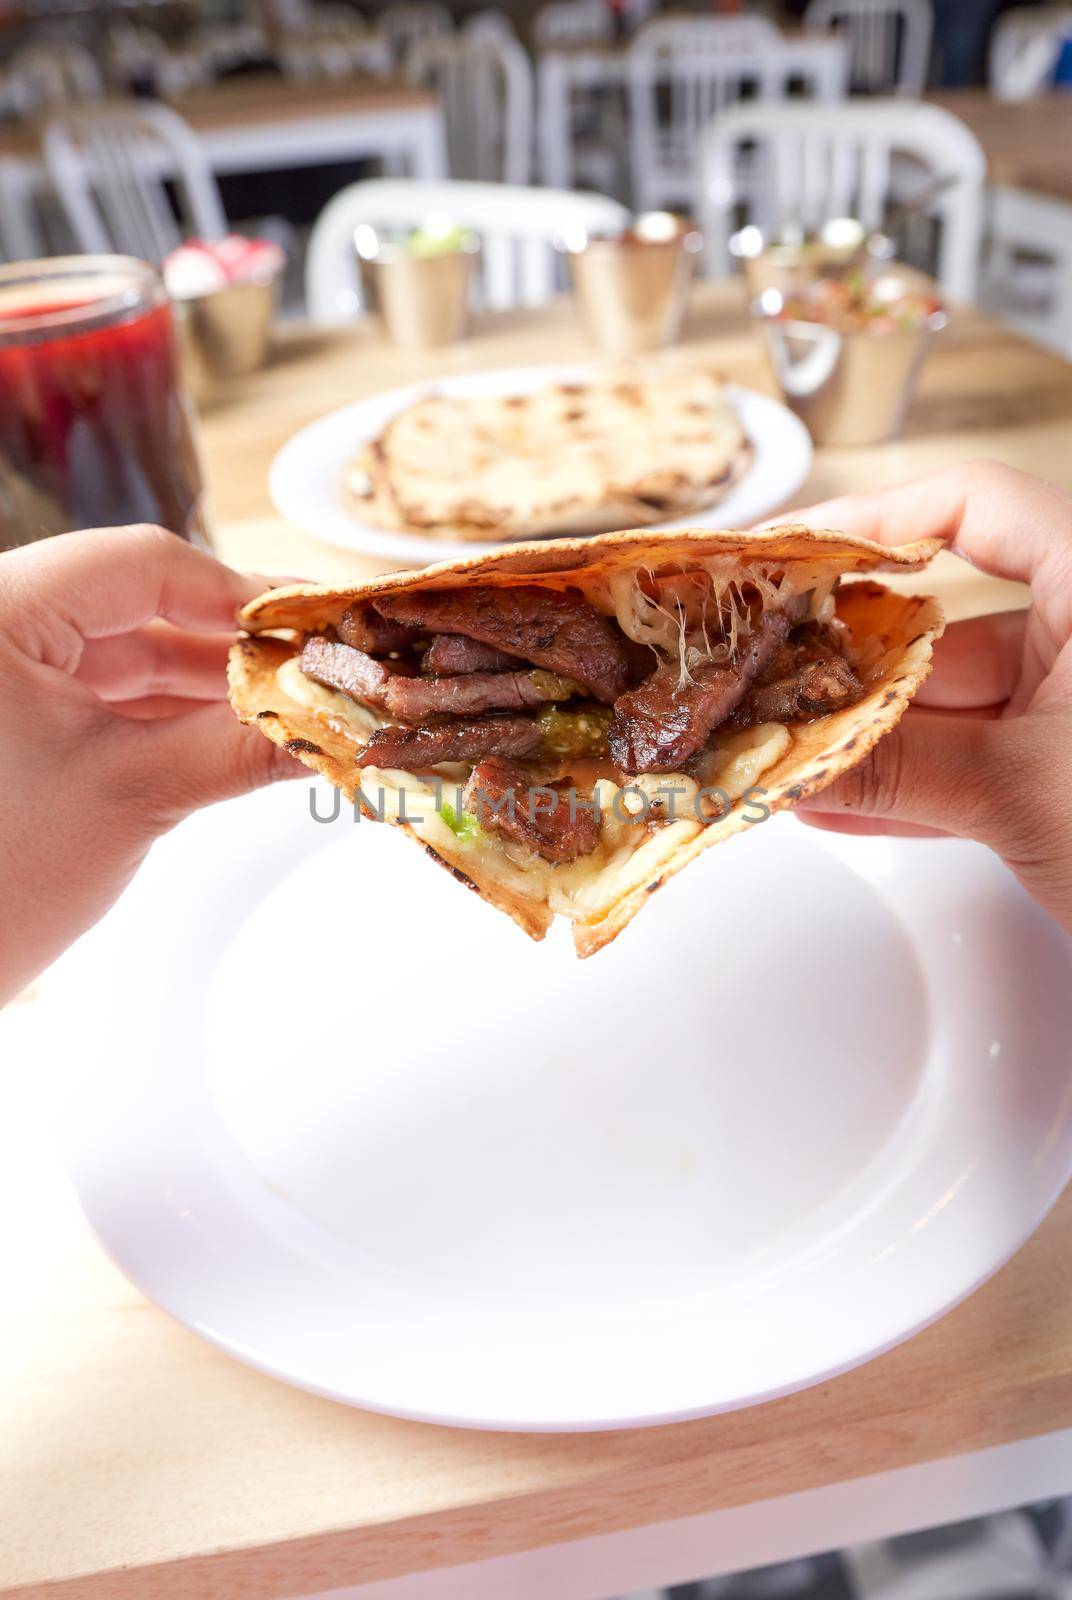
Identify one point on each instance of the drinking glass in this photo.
(96, 428)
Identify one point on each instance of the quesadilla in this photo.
(627, 449)
(565, 725)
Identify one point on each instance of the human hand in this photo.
(113, 722)
(985, 750)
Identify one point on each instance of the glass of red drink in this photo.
(96, 428)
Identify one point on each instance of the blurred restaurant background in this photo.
(314, 164)
(131, 126)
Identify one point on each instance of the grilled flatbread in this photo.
(568, 458)
(639, 697)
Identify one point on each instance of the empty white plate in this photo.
(305, 477)
(347, 1122)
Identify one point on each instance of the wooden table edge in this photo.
(690, 1484)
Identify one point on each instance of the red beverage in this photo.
(96, 428)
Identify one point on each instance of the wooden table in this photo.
(1026, 142)
(268, 124)
(137, 1463)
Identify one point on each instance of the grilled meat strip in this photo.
(505, 801)
(341, 667)
(809, 677)
(657, 727)
(465, 739)
(450, 653)
(365, 629)
(551, 628)
(414, 699)
(814, 690)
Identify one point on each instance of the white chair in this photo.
(334, 51)
(889, 41)
(681, 72)
(133, 53)
(816, 161)
(1027, 276)
(571, 22)
(517, 228)
(21, 234)
(491, 23)
(220, 47)
(406, 23)
(1024, 48)
(108, 166)
(485, 88)
(54, 74)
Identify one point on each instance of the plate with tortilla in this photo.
(432, 471)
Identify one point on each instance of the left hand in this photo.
(113, 722)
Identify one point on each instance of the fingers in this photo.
(931, 771)
(185, 762)
(977, 662)
(1003, 521)
(158, 659)
(868, 827)
(96, 584)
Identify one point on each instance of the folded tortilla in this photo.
(760, 770)
(627, 448)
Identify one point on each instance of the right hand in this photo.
(985, 750)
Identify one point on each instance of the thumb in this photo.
(932, 770)
(205, 756)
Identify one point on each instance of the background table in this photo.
(137, 1463)
(1026, 142)
(267, 124)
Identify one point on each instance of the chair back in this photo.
(571, 22)
(517, 227)
(328, 50)
(134, 54)
(53, 74)
(406, 23)
(221, 47)
(816, 161)
(682, 72)
(485, 88)
(491, 23)
(21, 235)
(889, 41)
(108, 166)
(1024, 48)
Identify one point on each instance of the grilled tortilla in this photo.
(691, 683)
(569, 458)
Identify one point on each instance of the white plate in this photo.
(304, 480)
(345, 1121)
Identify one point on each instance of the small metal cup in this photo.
(788, 262)
(847, 388)
(227, 333)
(632, 287)
(421, 300)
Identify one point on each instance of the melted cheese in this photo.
(338, 709)
(701, 617)
(739, 760)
